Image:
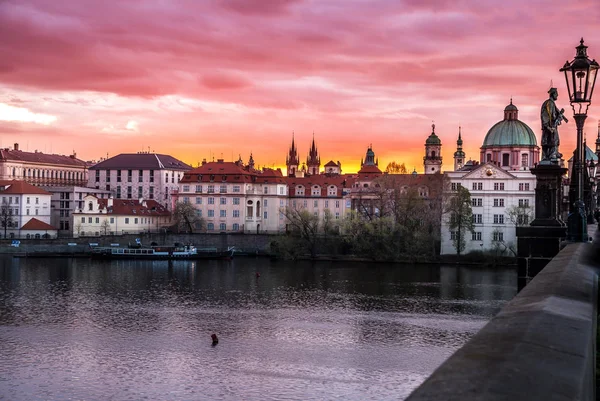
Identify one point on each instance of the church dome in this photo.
(510, 131)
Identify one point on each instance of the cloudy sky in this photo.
(219, 78)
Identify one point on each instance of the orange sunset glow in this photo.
(223, 78)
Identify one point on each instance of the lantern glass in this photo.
(591, 80)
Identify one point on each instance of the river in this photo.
(78, 329)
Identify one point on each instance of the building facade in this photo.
(67, 200)
(119, 216)
(25, 211)
(42, 169)
(231, 197)
(139, 175)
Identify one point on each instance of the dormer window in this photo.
(90, 206)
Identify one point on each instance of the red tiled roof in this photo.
(128, 207)
(21, 188)
(35, 224)
(221, 171)
(369, 169)
(141, 161)
(41, 158)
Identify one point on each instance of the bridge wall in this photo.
(541, 346)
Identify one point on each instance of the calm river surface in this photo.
(76, 329)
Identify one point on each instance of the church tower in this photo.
(313, 161)
(432, 162)
(292, 161)
(459, 155)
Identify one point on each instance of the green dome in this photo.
(510, 133)
(433, 140)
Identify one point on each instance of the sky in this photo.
(209, 79)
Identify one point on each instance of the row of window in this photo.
(9, 200)
(50, 174)
(498, 186)
(476, 236)
(498, 202)
(304, 203)
(136, 220)
(223, 227)
(140, 176)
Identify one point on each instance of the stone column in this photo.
(540, 242)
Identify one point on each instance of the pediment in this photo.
(488, 171)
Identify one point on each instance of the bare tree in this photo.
(304, 225)
(395, 168)
(105, 227)
(5, 218)
(460, 219)
(185, 218)
(520, 215)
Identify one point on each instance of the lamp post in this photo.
(580, 74)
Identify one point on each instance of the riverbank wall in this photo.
(248, 244)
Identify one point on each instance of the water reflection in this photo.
(75, 328)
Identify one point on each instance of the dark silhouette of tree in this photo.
(186, 219)
(6, 218)
(460, 217)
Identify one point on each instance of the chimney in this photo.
(110, 202)
(16, 146)
(141, 201)
(203, 162)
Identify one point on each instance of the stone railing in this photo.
(541, 346)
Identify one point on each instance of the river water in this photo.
(77, 329)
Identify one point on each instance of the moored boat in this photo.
(176, 252)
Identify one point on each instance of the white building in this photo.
(231, 197)
(67, 200)
(42, 169)
(139, 175)
(499, 184)
(119, 216)
(24, 211)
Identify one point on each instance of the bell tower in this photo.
(459, 155)
(432, 162)
(313, 161)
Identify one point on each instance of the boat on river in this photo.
(161, 252)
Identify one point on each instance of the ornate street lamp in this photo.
(580, 75)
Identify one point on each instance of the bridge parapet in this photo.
(541, 346)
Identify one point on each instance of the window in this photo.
(151, 194)
(140, 192)
(27, 200)
(305, 203)
(211, 189)
(223, 189)
(332, 190)
(210, 227)
(112, 220)
(222, 227)
(522, 219)
(265, 202)
(266, 190)
(337, 215)
(236, 213)
(523, 202)
(281, 191)
(477, 218)
(455, 186)
(151, 175)
(129, 175)
(198, 201)
(83, 219)
(211, 213)
(223, 213)
(498, 202)
(236, 227)
(315, 203)
(498, 236)
(476, 236)
(199, 213)
(135, 221)
(337, 204)
(316, 190)
(126, 220)
(477, 186)
(498, 186)
(199, 189)
(265, 215)
(97, 220)
(236, 188)
(523, 186)
(140, 175)
(211, 201)
(498, 219)
(524, 160)
(452, 235)
(326, 204)
(186, 199)
(186, 188)
(236, 201)
(129, 192)
(223, 201)
(476, 202)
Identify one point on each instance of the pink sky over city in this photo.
(218, 78)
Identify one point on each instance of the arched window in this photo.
(14, 172)
(90, 206)
(433, 153)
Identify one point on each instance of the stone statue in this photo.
(551, 119)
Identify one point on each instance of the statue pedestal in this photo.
(548, 195)
(540, 242)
